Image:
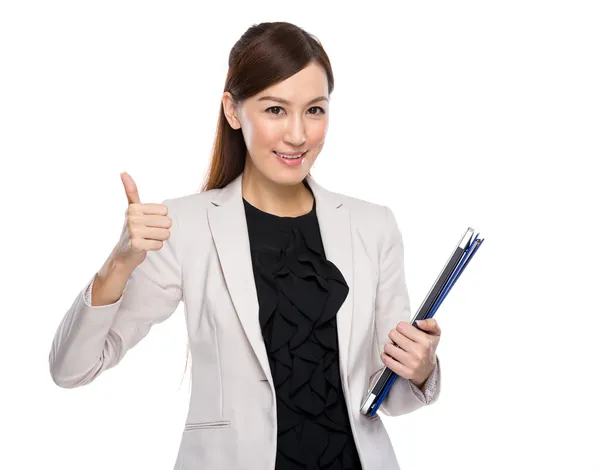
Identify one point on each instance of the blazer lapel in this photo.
(227, 220)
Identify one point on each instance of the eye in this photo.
(319, 107)
(274, 107)
(279, 107)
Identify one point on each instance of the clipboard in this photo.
(454, 267)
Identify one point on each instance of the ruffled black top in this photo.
(299, 294)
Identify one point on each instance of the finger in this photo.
(395, 366)
(397, 353)
(403, 342)
(150, 208)
(131, 190)
(152, 233)
(152, 217)
(413, 333)
(147, 244)
(431, 326)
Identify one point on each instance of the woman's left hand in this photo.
(412, 355)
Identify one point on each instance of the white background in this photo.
(455, 114)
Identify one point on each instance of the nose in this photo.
(295, 135)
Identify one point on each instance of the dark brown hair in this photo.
(266, 54)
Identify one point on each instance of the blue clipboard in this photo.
(456, 264)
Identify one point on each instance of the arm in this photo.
(392, 305)
(91, 339)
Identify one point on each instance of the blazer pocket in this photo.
(206, 425)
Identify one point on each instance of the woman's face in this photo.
(289, 117)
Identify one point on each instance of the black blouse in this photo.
(299, 294)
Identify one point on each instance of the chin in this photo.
(289, 179)
(275, 171)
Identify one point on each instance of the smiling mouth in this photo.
(290, 157)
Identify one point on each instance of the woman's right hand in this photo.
(145, 228)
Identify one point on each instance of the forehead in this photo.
(302, 87)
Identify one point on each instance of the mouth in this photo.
(290, 156)
(290, 160)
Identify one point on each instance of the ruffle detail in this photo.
(300, 293)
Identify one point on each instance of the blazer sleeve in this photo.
(392, 305)
(92, 339)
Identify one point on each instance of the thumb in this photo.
(430, 325)
(130, 188)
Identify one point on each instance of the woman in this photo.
(280, 366)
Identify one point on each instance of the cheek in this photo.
(317, 132)
(315, 136)
(265, 134)
(258, 132)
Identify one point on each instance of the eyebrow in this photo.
(281, 100)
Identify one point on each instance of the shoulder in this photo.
(190, 203)
(374, 223)
(189, 220)
(366, 212)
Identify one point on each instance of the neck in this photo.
(277, 199)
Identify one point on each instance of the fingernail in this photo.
(420, 322)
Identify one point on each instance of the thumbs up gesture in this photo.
(145, 228)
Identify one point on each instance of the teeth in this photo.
(290, 157)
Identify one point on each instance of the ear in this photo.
(230, 108)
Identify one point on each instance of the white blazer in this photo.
(231, 422)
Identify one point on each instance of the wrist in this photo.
(422, 382)
(419, 385)
(115, 267)
(110, 281)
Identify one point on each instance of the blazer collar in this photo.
(227, 220)
(234, 191)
